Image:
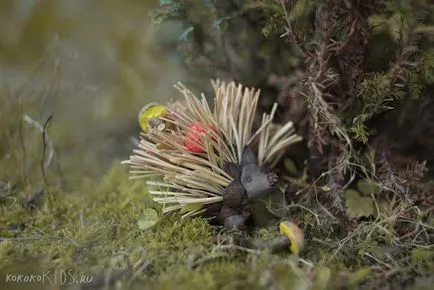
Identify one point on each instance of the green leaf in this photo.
(300, 9)
(398, 27)
(149, 219)
(378, 252)
(359, 276)
(377, 22)
(425, 29)
(291, 167)
(367, 187)
(360, 131)
(358, 206)
(421, 255)
(323, 275)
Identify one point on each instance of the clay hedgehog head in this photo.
(212, 162)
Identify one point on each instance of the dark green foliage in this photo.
(357, 79)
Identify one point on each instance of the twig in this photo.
(235, 248)
(35, 238)
(290, 33)
(44, 165)
(48, 142)
(351, 33)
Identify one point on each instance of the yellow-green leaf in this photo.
(359, 276)
(323, 275)
(366, 187)
(291, 167)
(425, 29)
(300, 9)
(357, 205)
(149, 219)
(398, 27)
(377, 23)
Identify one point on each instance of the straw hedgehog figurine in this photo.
(207, 162)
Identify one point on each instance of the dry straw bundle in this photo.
(185, 146)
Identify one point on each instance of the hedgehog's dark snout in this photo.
(273, 179)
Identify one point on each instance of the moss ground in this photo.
(86, 227)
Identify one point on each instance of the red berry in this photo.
(192, 138)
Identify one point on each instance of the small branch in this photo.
(290, 34)
(48, 144)
(235, 248)
(35, 238)
(44, 164)
(351, 33)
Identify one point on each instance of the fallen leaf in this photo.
(367, 187)
(323, 276)
(149, 219)
(357, 205)
(360, 275)
(291, 167)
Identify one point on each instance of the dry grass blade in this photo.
(274, 139)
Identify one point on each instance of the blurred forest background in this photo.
(91, 65)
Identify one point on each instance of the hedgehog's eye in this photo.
(248, 179)
(157, 124)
